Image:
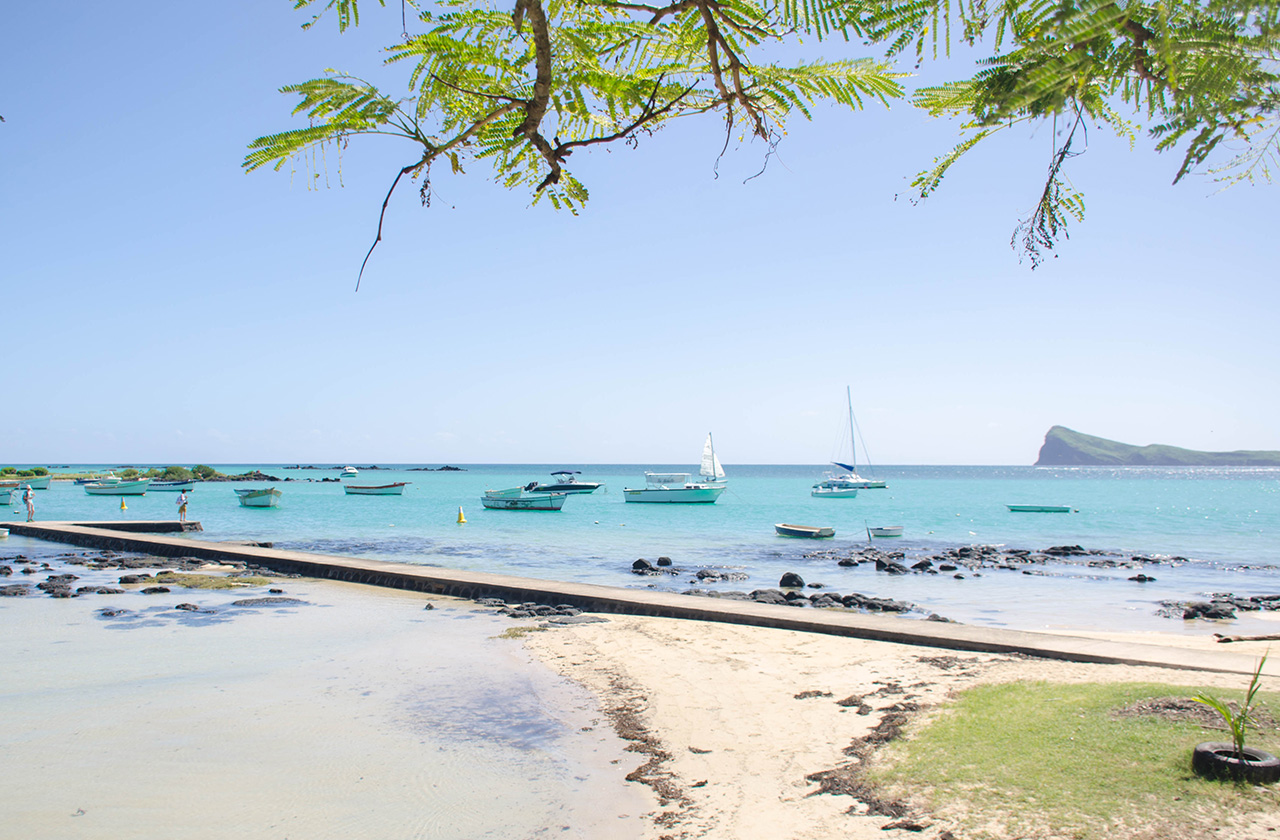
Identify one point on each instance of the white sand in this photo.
(721, 699)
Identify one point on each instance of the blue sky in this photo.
(162, 306)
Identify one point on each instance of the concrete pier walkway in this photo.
(172, 542)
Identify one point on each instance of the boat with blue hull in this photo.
(518, 498)
(563, 481)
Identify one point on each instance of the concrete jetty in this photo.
(168, 539)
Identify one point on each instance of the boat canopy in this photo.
(666, 478)
(848, 467)
(567, 472)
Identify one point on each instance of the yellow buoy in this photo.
(122, 505)
(462, 520)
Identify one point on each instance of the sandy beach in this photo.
(354, 711)
(747, 714)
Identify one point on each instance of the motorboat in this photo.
(563, 481)
(119, 487)
(810, 531)
(173, 486)
(393, 489)
(517, 498)
(885, 531)
(676, 488)
(847, 484)
(267, 497)
(348, 472)
(1039, 508)
(36, 482)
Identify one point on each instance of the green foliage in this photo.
(8, 470)
(39, 471)
(26, 473)
(1058, 760)
(177, 474)
(203, 471)
(1239, 718)
(129, 473)
(519, 89)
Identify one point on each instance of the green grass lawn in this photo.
(1056, 760)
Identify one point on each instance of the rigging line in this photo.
(864, 443)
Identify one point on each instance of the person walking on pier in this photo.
(182, 506)
(29, 496)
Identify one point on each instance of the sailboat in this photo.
(676, 488)
(846, 485)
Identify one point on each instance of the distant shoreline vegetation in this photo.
(1067, 447)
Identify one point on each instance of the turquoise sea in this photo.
(1221, 524)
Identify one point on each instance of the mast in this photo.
(853, 441)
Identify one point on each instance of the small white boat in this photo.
(564, 482)
(119, 487)
(4, 532)
(885, 531)
(846, 485)
(517, 499)
(1039, 508)
(348, 472)
(394, 489)
(810, 531)
(267, 497)
(109, 478)
(675, 488)
(39, 482)
(173, 486)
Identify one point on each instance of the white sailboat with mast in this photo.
(846, 485)
(676, 488)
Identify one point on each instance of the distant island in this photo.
(1066, 447)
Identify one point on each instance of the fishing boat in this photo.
(267, 497)
(676, 488)
(8, 486)
(1039, 508)
(39, 482)
(173, 486)
(564, 482)
(885, 531)
(810, 531)
(393, 489)
(119, 487)
(846, 485)
(348, 472)
(517, 498)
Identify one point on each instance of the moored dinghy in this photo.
(119, 488)
(517, 498)
(885, 531)
(1039, 508)
(393, 489)
(810, 531)
(267, 497)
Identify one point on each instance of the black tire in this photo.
(1217, 760)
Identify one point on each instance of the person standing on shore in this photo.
(29, 496)
(182, 506)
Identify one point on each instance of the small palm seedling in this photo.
(1237, 719)
(1235, 760)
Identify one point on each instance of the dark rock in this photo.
(269, 601)
(768, 596)
(111, 612)
(276, 591)
(14, 590)
(155, 590)
(1065, 551)
(187, 607)
(1141, 578)
(791, 580)
(427, 607)
(946, 567)
(5, 571)
(140, 578)
(1205, 609)
(923, 566)
(847, 561)
(642, 567)
(664, 561)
